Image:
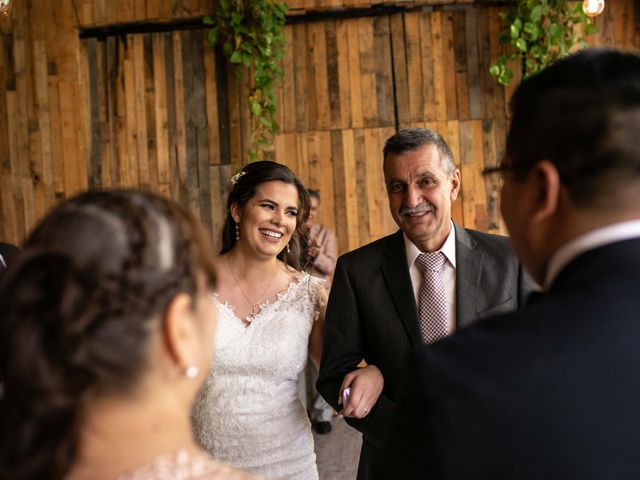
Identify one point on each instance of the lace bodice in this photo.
(249, 413)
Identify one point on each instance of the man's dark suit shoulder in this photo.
(486, 241)
(373, 249)
(498, 245)
(9, 253)
(550, 391)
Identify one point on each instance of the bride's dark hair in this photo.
(77, 310)
(245, 183)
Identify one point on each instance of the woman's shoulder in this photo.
(314, 289)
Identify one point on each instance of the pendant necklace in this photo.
(255, 306)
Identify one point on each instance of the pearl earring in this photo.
(288, 248)
(191, 371)
(237, 232)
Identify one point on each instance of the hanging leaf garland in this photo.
(252, 37)
(539, 32)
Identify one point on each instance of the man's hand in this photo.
(365, 386)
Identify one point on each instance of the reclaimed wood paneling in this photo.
(162, 111)
(149, 93)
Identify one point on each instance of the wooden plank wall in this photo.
(154, 119)
(160, 111)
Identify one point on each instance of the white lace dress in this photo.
(248, 413)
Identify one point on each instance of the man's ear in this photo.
(545, 180)
(455, 184)
(179, 331)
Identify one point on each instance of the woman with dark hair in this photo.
(106, 331)
(249, 413)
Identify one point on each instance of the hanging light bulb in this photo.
(4, 7)
(592, 8)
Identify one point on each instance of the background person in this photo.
(385, 301)
(105, 338)
(551, 391)
(249, 413)
(324, 254)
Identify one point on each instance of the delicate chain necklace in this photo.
(255, 306)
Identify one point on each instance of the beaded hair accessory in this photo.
(234, 180)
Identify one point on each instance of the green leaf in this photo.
(531, 30)
(236, 18)
(536, 13)
(536, 51)
(236, 57)
(515, 28)
(212, 37)
(506, 77)
(227, 48)
(590, 29)
(521, 44)
(267, 24)
(555, 31)
(256, 110)
(246, 60)
(208, 20)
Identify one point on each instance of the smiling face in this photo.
(268, 219)
(421, 192)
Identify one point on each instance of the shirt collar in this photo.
(448, 248)
(590, 240)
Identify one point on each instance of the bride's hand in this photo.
(365, 386)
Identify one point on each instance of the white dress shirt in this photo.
(448, 273)
(590, 240)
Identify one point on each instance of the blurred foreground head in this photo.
(89, 312)
(573, 153)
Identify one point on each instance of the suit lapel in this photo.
(468, 273)
(396, 276)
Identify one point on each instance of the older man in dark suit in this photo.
(552, 391)
(417, 285)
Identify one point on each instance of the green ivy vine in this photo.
(539, 32)
(252, 38)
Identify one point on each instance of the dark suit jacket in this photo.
(372, 315)
(8, 252)
(550, 392)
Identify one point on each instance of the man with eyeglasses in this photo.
(552, 391)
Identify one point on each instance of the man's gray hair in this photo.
(409, 139)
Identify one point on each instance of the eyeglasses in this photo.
(505, 167)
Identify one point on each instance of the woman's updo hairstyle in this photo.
(77, 311)
(244, 186)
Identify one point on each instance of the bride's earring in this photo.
(288, 248)
(191, 372)
(237, 232)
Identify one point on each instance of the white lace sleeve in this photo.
(318, 294)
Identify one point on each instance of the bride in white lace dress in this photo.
(249, 413)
